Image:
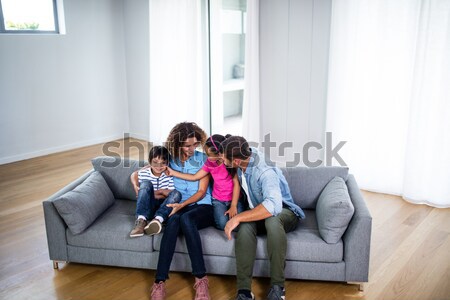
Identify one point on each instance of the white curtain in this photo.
(389, 95)
(251, 109)
(177, 66)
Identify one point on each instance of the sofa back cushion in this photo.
(117, 172)
(306, 184)
(334, 210)
(81, 206)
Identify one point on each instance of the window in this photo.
(30, 16)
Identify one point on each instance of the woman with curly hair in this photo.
(191, 214)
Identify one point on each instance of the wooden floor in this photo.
(410, 257)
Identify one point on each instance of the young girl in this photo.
(226, 188)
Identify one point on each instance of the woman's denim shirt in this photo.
(190, 166)
(268, 186)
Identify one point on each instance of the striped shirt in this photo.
(163, 182)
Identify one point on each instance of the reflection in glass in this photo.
(227, 65)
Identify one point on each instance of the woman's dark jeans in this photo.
(187, 222)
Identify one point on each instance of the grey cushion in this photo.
(304, 243)
(117, 172)
(112, 231)
(334, 210)
(82, 205)
(306, 184)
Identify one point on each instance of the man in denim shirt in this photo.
(272, 211)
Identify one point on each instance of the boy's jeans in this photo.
(149, 207)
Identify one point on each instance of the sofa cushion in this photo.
(306, 184)
(82, 205)
(304, 243)
(117, 172)
(112, 231)
(214, 242)
(334, 210)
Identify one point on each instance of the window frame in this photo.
(56, 17)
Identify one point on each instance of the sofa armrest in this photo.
(357, 237)
(55, 226)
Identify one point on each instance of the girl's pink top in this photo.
(223, 182)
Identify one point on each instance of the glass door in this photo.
(227, 52)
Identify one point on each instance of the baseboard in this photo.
(52, 150)
(138, 136)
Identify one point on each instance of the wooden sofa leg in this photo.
(56, 264)
(361, 285)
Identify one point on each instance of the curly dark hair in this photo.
(180, 133)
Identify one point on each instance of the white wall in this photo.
(136, 26)
(91, 85)
(60, 92)
(294, 45)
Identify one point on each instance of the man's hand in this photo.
(231, 224)
(175, 208)
(252, 215)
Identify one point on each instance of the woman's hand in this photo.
(231, 212)
(176, 207)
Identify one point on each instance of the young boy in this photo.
(154, 190)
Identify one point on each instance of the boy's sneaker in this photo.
(276, 293)
(201, 289)
(154, 227)
(158, 291)
(244, 297)
(138, 229)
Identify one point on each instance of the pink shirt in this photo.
(223, 182)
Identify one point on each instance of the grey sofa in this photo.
(106, 241)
